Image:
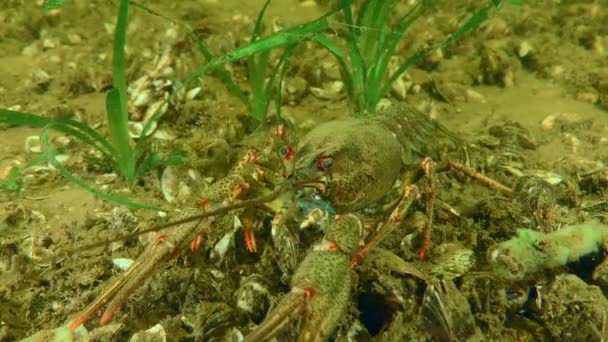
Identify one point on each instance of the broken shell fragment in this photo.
(32, 144)
(156, 333)
(253, 297)
(63, 141)
(169, 184)
(7, 166)
(162, 134)
(105, 178)
(122, 263)
(160, 106)
(449, 91)
(330, 90)
(61, 159)
(40, 78)
(136, 128)
(142, 99)
(447, 314)
(452, 262)
(193, 93)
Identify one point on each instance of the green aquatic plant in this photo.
(133, 161)
(130, 162)
(265, 81)
(12, 180)
(531, 251)
(371, 41)
(54, 4)
(261, 79)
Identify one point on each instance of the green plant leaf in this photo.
(116, 99)
(474, 21)
(50, 155)
(358, 67)
(67, 126)
(200, 47)
(277, 40)
(281, 70)
(153, 160)
(11, 183)
(54, 4)
(257, 29)
(120, 139)
(341, 59)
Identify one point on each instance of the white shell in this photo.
(142, 99)
(63, 140)
(399, 88)
(62, 158)
(160, 104)
(7, 166)
(169, 184)
(122, 263)
(524, 49)
(32, 144)
(330, 91)
(156, 333)
(193, 93)
(105, 178)
(40, 76)
(221, 247)
(136, 128)
(163, 134)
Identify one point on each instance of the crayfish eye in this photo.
(325, 163)
(286, 152)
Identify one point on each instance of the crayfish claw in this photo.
(289, 309)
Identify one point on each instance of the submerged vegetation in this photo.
(295, 149)
(370, 41)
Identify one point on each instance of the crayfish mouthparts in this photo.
(319, 183)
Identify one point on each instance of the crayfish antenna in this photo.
(127, 282)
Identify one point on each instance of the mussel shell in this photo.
(447, 313)
(253, 297)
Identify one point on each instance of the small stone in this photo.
(122, 263)
(589, 96)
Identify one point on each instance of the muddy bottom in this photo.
(526, 93)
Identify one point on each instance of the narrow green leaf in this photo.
(153, 160)
(375, 90)
(257, 29)
(358, 67)
(54, 4)
(11, 183)
(70, 127)
(277, 40)
(50, 155)
(116, 99)
(200, 47)
(23, 119)
(120, 135)
(341, 59)
(283, 63)
(474, 21)
(119, 78)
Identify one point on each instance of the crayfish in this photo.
(365, 169)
